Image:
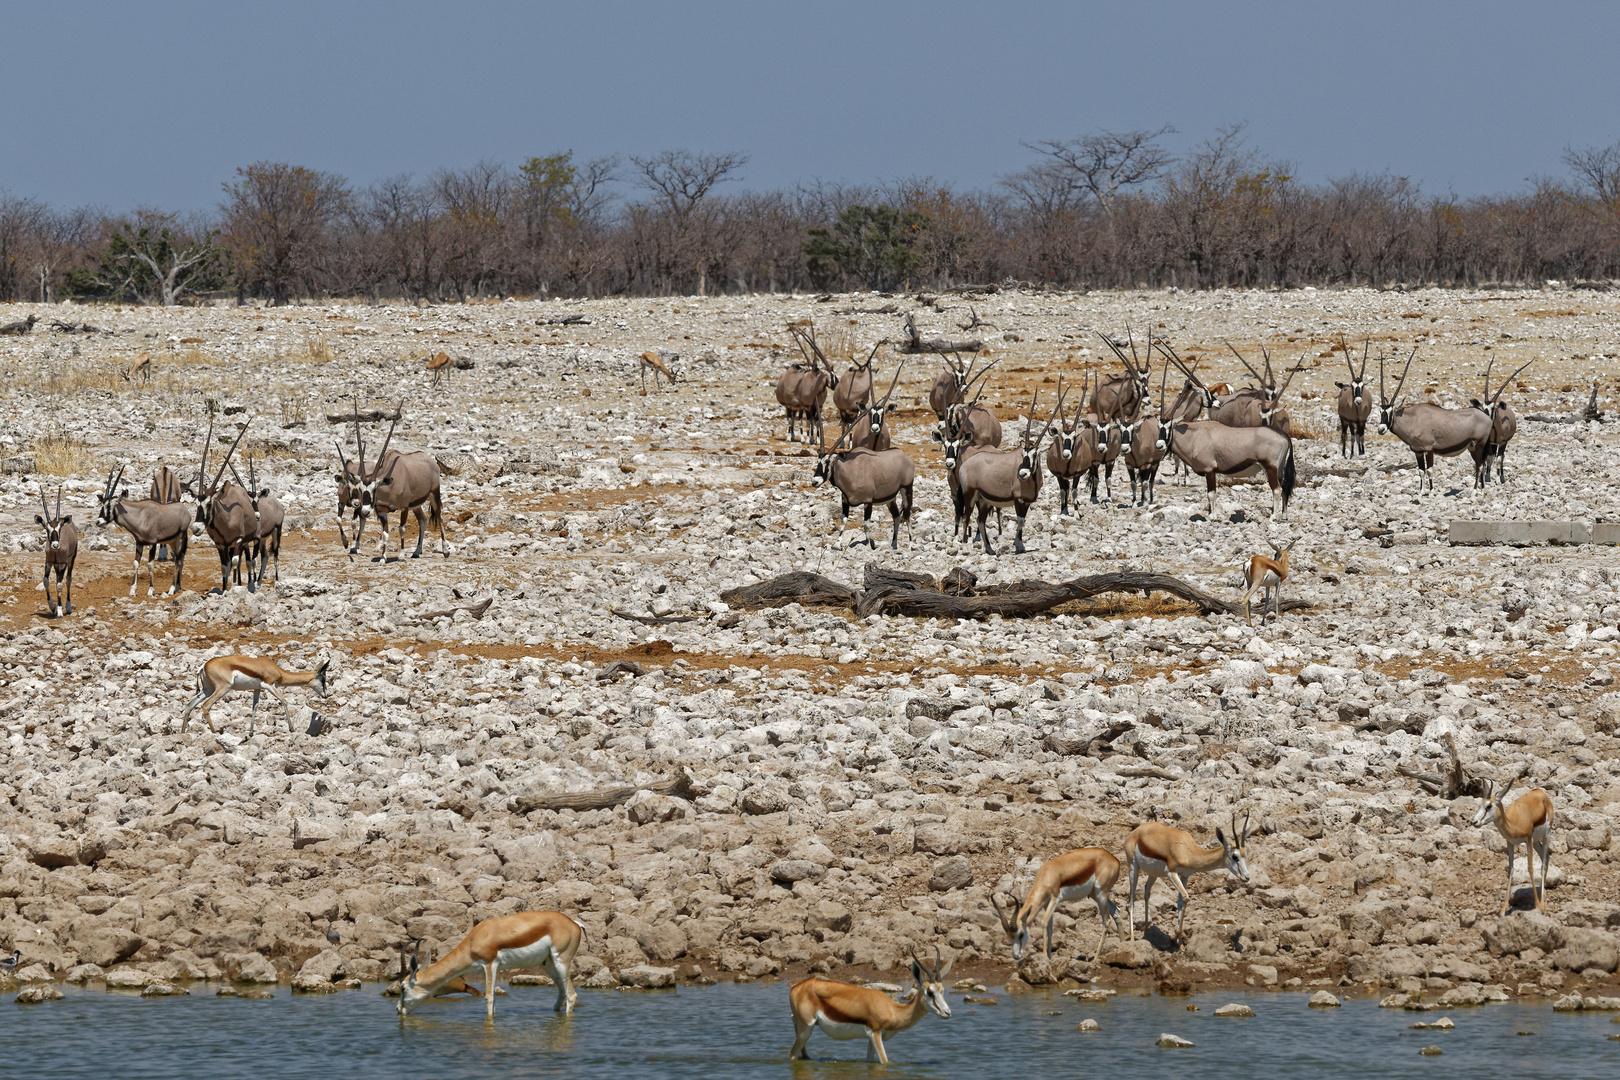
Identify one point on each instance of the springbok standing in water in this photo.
(845, 1011)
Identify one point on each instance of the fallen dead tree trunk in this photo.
(915, 343)
(891, 592)
(371, 416)
(605, 798)
(798, 587)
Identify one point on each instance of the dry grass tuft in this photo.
(315, 351)
(1305, 428)
(56, 454)
(1131, 606)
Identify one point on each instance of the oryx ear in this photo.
(68, 520)
(124, 493)
(936, 436)
(265, 494)
(38, 520)
(1340, 385)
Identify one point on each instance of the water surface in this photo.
(721, 1032)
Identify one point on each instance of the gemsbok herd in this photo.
(1211, 431)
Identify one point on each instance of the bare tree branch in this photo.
(1104, 164)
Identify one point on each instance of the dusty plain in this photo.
(831, 823)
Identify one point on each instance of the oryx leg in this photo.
(1501, 464)
(137, 580)
(67, 599)
(1091, 476)
(1108, 479)
(343, 537)
(984, 536)
(1153, 485)
(894, 537)
(866, 528)
(1209, 478)
(421, 532)
(1274, 482)
(1018, 537)
(1344, 438)
(1063, 497)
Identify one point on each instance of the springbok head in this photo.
(931, 982)
(1234, 847)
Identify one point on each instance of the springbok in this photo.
(1156, 850)
(1074, 875)
(270, 515)
(439, 364)
(165, 489)
(61, 549)
(400, 484)
(1428, 429)
(142, 366)
(1355, 405)
(850, 396)
(802, 387)
(1529, 822)
(225, 511)
(865, 478)
(1504, 422)
(1267, 574)
(223, 674)
(996, 479)
(1121, 395)
(845, 1011)
(650, 360)
(527, 939)
(150, 524)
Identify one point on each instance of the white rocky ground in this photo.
(829, 825)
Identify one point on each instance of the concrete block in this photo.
(1606, 532)
(1519, 533)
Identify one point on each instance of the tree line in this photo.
(1107, 210)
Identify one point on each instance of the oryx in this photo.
(865, 478)
(149, 524)
(802, 387)
(1355, 404)
(1504, 421)
(851, 395)
(869, 428)
(400, 484)
(270, 515)
(1002, 478)
(1428, 429)
(61, 549)
(226, 513)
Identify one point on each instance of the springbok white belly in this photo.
(838, 1029)
(1151, 867)
(1077, 892)
(526, 956)
(246, 682)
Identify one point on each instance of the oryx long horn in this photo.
(1348, 366)
(220, 475)
(398, 412)
(1400, 386)
(1490, 363)
(44, 506)
(1110, 343)
(1291, 373)
(1509, 379)
(58, 502)
(1245, 363)
(881, 342)
(892, 384)
(1366, 348)
(202, 469)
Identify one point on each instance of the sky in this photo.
(119, 105)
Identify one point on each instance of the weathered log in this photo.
(20, 327)
(915, 343)
(655, 620)
(959, 582)
(371, 416)
(938, 711)
(566, 320)
(800, 587)
(875, 576)
(620, 667)
(604, 798)
(476, 610)
(1455, 783)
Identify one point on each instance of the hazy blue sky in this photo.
(120, 104)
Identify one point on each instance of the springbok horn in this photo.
(1006, 923)
(938, 962)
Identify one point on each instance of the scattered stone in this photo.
(1323, 999)
(164, 989)
(33, 995)
(1168, 1039)
(1234, 1009)
(1088, 1024)
(1431, 1051)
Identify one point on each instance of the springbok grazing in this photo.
(865, 478)
(1156, 850)
(850, 396)
(1504, 421)
(1267, 574)
(1529, 822)
(61, 549)
(270, 515)
(439, 364)
(223, 674)
(165, 489)
(150, 524)
(996, 479)
(1355, 405)
(802, 387)
(226, 512)
(142, 366)
(1121, 395)
(845, 1011)
(1428, 429)
(1074, 875)
(527, 939)
(650, 360)
(404, 483)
